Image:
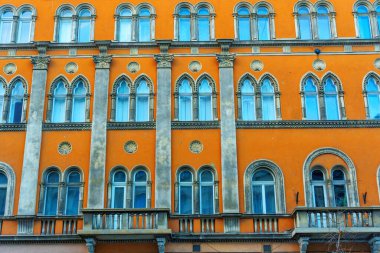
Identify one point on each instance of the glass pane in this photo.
(3, 199)
(142, 108)
(125, 29)
(6, 27)
(268, 108)
(125, 12)
(122, 108)
(371, 86)
(270, 202)
(319, 196)
(84, 30)
(140, 197)
(118, 201)
(186, 176)
(257, 199)
(144, 29)
(203, 29)
(332, 107)
(207, 176)
(64, 34)
(85, 13)
(311, 106)
(323, 27)
(207, 200)
(144, 12)
(340, 195)
(304, 27)
(59, 109)
(317, 175)
(364, 26)
(244, 28)
(185, 108)
(205, 108)
(184, 29)
(203, 11)
(263, 28)
(3, 179)
(79, 109)
(186, 198)
(243, 11)
(74, 177)
(119, 177)
(140, 176)
(262, 175)
(24, 31)
(72, 202)
(338, 175)
(248, 107)
(374, 106)
(51, 200)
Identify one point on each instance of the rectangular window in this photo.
(248, 108)
(84, 30)
(142, 108)
(323, 27)
(59, 110)
(72, 201)
(207, 199)
(186, 198)
(125, 32)
(257, 197)
(340, 195)
(144, 29)
(24, 32)
(268, 107)
(332, 107)
(364, 27)
(51, 200)
(373, 106)
(270, 202)
(65, 29)
(203, 29)
(15, 111)
(122, 109)
(311, 106)
(140, 197)
(304, 27)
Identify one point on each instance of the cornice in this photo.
(195, 124)
(11, 127)
(131, 125)
(308, 124)
(85, 126)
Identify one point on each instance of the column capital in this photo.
(40, 62)
(164, 60)
(225, 60)
(102, 61)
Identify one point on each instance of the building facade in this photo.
(218, 126)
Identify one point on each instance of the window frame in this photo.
(9, 173)
(80, 186)
(376, 78)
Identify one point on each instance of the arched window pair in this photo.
(74, 24)
(322, 100)
(125, 193)
(189, 192)
(7, 185)
(195, 101)
(134, 24)
(367, 18)
(132, 102)
(69, 103)
(315, 22)
(61, 197)
(17, 25)
(194, 23)
(259, 101)
(372, 96)
(254, 23)
(13, 101)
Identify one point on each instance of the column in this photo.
(32, 151)
(228, 133)
(99, 132)
(163, 131)
(303, 243)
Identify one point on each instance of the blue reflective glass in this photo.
(140, 176)
(311, 100)
(122, 102)
(142, 101)
(323, 23)
(3, 179)
(140, 197)
(262, 175)
(364, 24)
(72, 200)
(59, 103)
(207, 199)
(205, 101)
(186, 198)
(331, 101)
(74, 177)
(186, 176)
(79, 103)
(268, 101)
(185, 101)
(247, 101)
(203, 29)
(373, 98)
(119, 177)
(263, 28)
(206, 176)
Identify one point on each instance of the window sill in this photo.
(67, 126)
(12, 127)
(196, 124)
(131, 125)
(308, 124)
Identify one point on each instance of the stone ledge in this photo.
(9, 127)
(195, 124)
(308, 124)
(131, 125)
(67, 126)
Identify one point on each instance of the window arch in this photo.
(17, 102)
(362, 15)
(339, 184)
(206, 99)
(203, 23)
(59, 103)
(144, 24)
(79, 104)
(206, 192)
(65, 25)
(52, 178)
(119, 188)
(73, 191)
(122, 101)
(247, 98)
(318, 184)
(25, 24)
(263, 192)
(7, 25)
(371, 93)
(141, 189)
(310, 98)
(7, 187)
(185, 99)
(269, 104)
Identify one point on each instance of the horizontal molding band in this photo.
(195, 124)
(10, 127)
(324, 124)
(131, 125)
(67, 126)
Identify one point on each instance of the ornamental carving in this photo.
(319, 65)
(40, 62)
(225, 60)
(164, 60)
(130, 147)
(257, 65)
(64, 148)
(102, 61)
(196, 147)
(133, 67)
(71, 67)
(195, 66)
(377, 63)
(10, 69)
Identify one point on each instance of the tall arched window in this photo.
(125, 25)
(304, 23)
(378, 19)
(263, 193)
(142, 101)
(51, 193)
(185, 97)
(318, 185)
(363, 22)
(6, 26)
(206, 195)
(122, 102)
(65, 26)
(339, 188)
(311, 100)
(144, 24)
(84, 26)
(323, 23)
(119, 189)
(59, 103)
(78, 113)
(203, 23)
(73, 184)
(244, 23)
(373, 98)
(140, 189)
(185, 192)
(268, 105)
(205, 100)
(331, 100)
(2, 99)
(263, 23)
(3, 192)
(248, 110)
(24, 27)
(16, 103)
(184, 24)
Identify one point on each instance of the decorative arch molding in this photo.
(244, 77)
(366, 79)
(16, 79)
(207, 5)
(243, 4)
(118, 80)
(123, 6)
(132, 96)
(277, 95)
(184, 5)
(146, 5)
(272, 79)
(85, 81)
(352, 187)
(263, 4)
(11, 183)
(369, 75)
(314, 77)
(335, 79)
(326, 4)
(181, 78)
(366, 3)
(278, 176)
(184, 76)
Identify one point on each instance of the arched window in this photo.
(206, 195)
(248, 110)
(125, 25)
(378, 19)
(372, 92)
(331, 100)
(205, 100)
(78, 113)
(268, 105)
(318, 185)
(119, 189)
(142, 101)
(24, 27)
(122, 102)
(304, 23)
(323, 23)
(65, 26)
(3, 192)
(2, 99)
(311, 100)
(185, 97)
(6, 26)
(140, 189)
(144, 24)
(59, 103)
(184, 24)
(51, 193)
(263, 23)
(363, 22)
(16, 103)
(84, 26)
(244, 24)
(263, 193)
(203, 23)
(185, 192)
(73, 184)
(339, 188)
